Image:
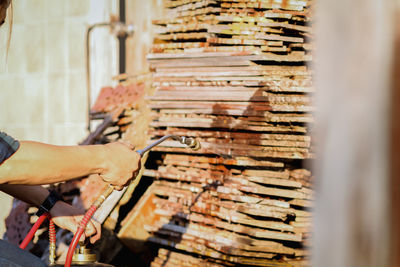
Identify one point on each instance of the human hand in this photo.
(69, 217)
(121, 163)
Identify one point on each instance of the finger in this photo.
(97, 236)
(68, 224)
(131, 147)
(135, 174)
(90, 229)
(118, 187)
(139, 162)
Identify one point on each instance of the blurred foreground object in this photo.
(354, 79)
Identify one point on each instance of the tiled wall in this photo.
(43, 83)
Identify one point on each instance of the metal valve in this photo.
(83, 255)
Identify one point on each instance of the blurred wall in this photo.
(43, 82)
(141, 14)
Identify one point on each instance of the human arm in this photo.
(63, 214)
(37, 163)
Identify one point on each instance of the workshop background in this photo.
(44, 72)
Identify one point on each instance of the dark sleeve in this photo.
(8, 146)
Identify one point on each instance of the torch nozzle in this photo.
(191, 142)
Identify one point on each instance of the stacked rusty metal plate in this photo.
(234, 75)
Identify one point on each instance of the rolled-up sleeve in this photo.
(8, 146)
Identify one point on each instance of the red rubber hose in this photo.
(78, 234)
(33, 230)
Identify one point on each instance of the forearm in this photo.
(37, 163)
(32, 194)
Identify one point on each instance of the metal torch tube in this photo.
(162, 139)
